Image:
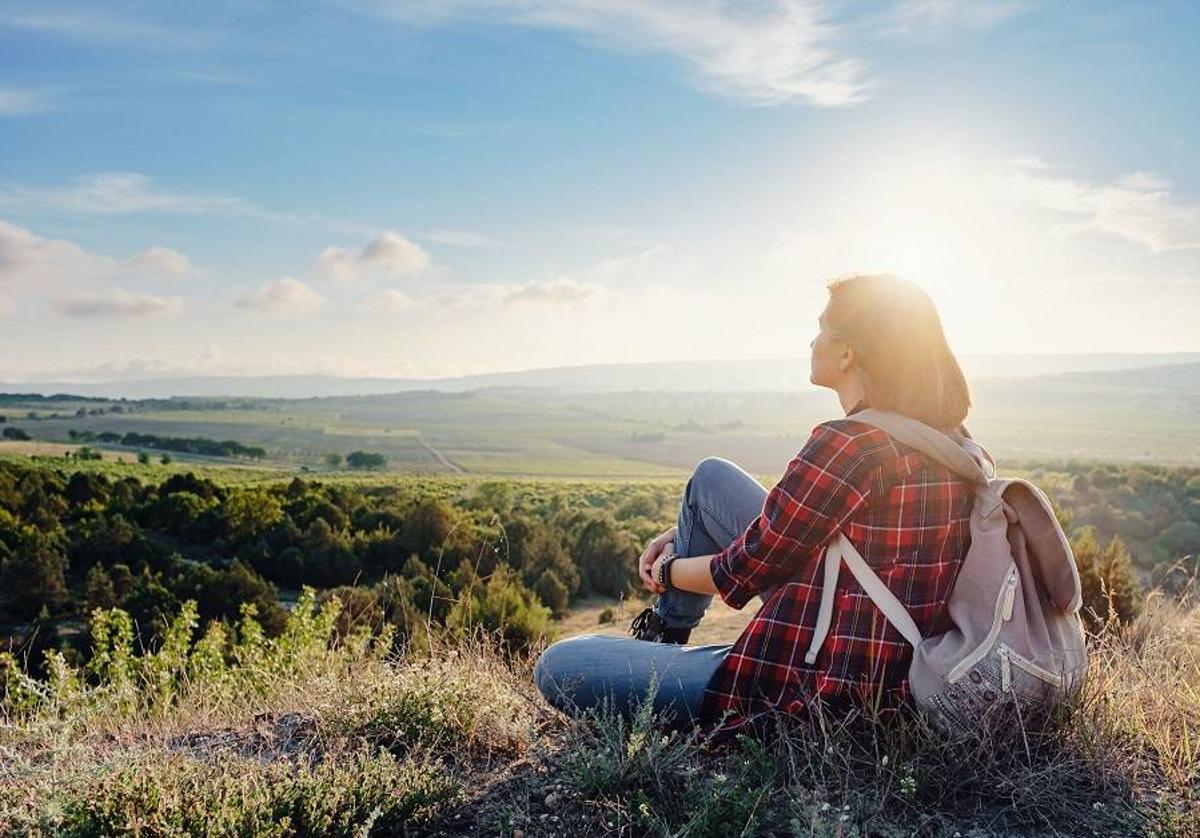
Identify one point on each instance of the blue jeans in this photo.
(579, 673)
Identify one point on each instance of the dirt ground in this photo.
(721, 624)
(57, 449)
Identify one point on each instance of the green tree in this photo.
(99, 590)
(553, 593)
(502, 605)
(33, 568)
(1106, 575)
(333, 460)
(362, 460)
(251, 512)
(496, 495)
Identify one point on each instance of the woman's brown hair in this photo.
(899, 344)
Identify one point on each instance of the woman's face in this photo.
(827, 353)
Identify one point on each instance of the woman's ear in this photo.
(846, 361)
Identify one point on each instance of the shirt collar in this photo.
(862, 405)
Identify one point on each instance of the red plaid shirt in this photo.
(909, 517)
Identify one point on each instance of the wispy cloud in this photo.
(121, 193)
(96, 24)
(120, 303)
(457, 238)
(1137, 207)
(937, 15)
(766, 53)
(282, 298)
(15, 101)
(560, 292)
(130, 193)
(389, 252)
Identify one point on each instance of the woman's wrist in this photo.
(663, 575)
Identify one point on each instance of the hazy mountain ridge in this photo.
(770, 374)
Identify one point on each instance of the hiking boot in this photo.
(650, 626)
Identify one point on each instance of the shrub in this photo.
(1109, 584)
(502, 605)
(356, 793)
(552, 592)
(364, 460)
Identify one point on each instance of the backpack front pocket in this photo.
(1009, 659)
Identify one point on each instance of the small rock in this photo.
(518, 833)
(551, 799)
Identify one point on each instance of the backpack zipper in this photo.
(1010, 595)
(1029, 666)
(1004, 603)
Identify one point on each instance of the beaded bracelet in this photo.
(664, 572)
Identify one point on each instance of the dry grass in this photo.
(296, 736)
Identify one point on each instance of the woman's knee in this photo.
(710, 472)
(553, 670)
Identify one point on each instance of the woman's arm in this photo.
(687, 574)
(823, 485)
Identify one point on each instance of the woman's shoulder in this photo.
(866, 443)
(850, 444)
(848, 431)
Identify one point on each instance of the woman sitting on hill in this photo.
(880, 344)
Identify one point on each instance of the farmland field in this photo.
(1124, 416)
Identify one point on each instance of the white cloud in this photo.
(389, 252)
(27, 259)
(17, 102)
(161, 261)
(283, 297)
(766, 53)
(1138, 207)
(118, 303)
(393, 300)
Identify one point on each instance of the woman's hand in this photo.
(660, 545)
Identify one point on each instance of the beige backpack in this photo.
(1017, 642)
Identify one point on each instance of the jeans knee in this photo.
(552, 668)
(709, 472)
(543, 669)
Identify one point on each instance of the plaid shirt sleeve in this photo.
(821, 488)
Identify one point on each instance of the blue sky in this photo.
(429, 188)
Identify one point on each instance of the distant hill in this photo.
(756, 375)
(1185, 378)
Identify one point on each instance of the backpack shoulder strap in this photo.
(925, 439)
(840, 549)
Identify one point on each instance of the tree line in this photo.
(183, 445)
(414, 553)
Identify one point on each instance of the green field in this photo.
(1125, 416)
